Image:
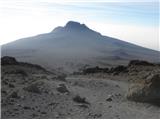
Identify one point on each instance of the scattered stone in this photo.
(15, 109)
(34, 88)
(109, 99)
(11, 85)
(110, 106)
(13, 115)
(118, 95)
(26, 107)
(79, 99)
(117, 86)
(3, 91)
(52, 104)
(43, 113)
(83, 106)
(117, 116)
(62, 89)
(22, 97)
(14, 94)
(56, 115)
(95, 115)
(34, 115)
(5, 82)
(18, 105)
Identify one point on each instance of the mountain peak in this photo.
(72, 25)
(75, 25)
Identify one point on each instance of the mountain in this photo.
(74, 46)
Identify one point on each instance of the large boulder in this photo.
(146, 91)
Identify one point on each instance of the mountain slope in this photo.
(75, 45)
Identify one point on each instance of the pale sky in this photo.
(135, 21)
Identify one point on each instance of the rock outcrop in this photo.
(8, 61)
(146, 91)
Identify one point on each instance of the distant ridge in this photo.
(73, 46)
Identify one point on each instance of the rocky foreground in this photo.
(143, 78)
(30, 91)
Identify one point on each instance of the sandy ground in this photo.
(105, 99)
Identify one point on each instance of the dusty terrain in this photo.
(29, 91)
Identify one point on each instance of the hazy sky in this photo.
(135, 21)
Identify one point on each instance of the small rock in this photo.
(34, 88)
(62, 89)
(15, 109)
(56, 116)
(22, 97)
(50, 104)
(43, 113)
(83, 106)
(34, 115)
(14, 95)
(109, 99)
(18, 105)
(109, 106)
(117, 86)
(26, 108)
(3, 91)
(118, 94)
(117, 116)
(79, 99)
